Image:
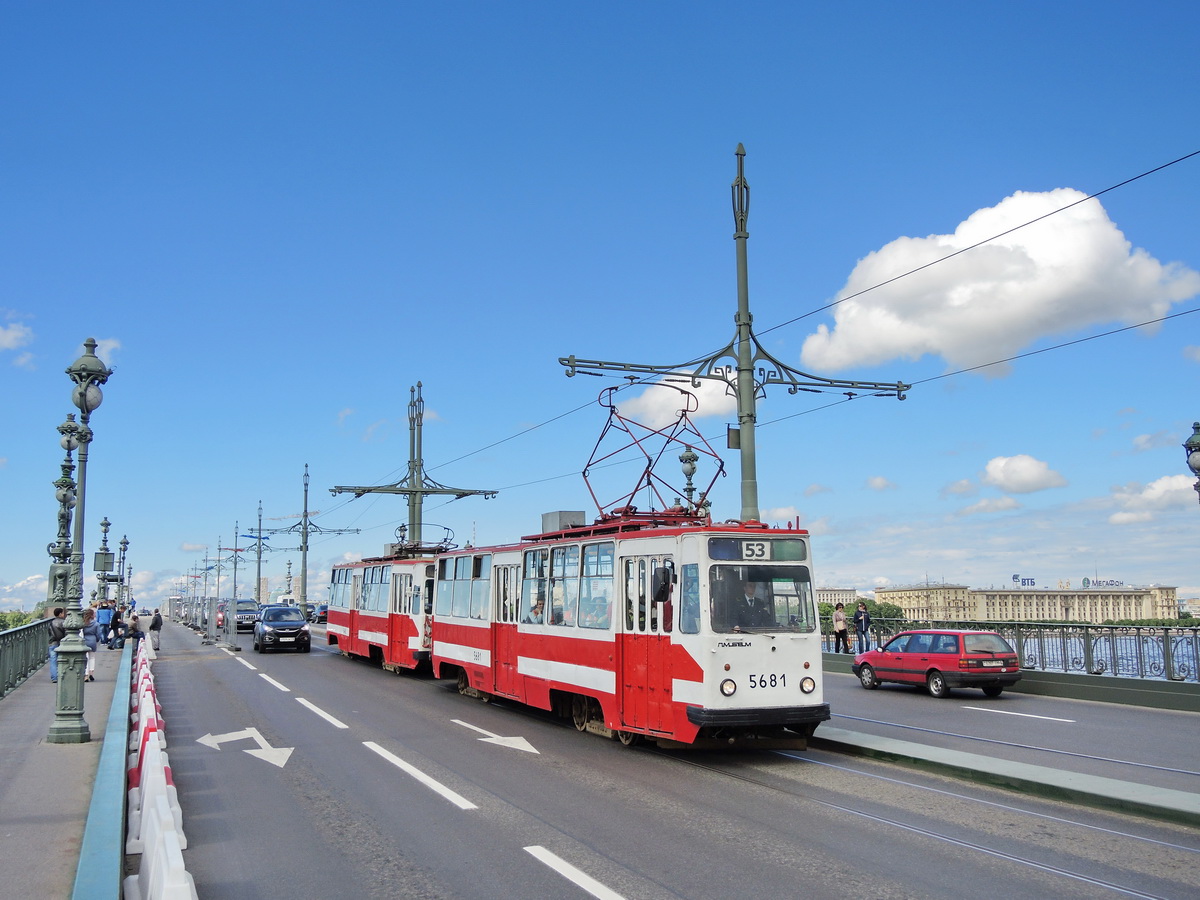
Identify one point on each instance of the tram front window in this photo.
(761, 598)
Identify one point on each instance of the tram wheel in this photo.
(579, 712)
(464, 683)
(629, 738)
(935, 681)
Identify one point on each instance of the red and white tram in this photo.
(690, 635)
(381, 609)
(684, 634)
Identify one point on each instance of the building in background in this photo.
(957, 602)
(834, 596)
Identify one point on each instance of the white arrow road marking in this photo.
(572, 874)
(515, 743)
(276, 756)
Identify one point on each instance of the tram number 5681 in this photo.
(765, 681)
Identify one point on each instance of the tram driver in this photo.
(750, 610)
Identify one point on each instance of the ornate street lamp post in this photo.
(69, 727)
(1192, 448)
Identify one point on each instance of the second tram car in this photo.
(682, 633)
(380, 609)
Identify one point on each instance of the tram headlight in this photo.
(808, 685)
(729, 687)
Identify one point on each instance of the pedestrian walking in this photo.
(58, 631)
(116, 636)
(155, 628)
(841, 637)
(104, 617)
(862, 627)
(91, 637)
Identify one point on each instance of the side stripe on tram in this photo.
(604, 680)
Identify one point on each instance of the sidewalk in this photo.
(45, 789)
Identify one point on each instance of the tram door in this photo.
(400, 625)
(644, 672)
(506, 593)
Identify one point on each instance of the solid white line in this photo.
(270, 680)
(320, 712)
(1005, 712)
(457, 799)
(244, 663)
(572, 874)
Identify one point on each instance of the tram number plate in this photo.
(768, 681)
(756, 549)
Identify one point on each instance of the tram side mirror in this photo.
(661, 583)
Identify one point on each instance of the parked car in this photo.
(319, 613)
(940, 660)
(282, 628)
(247, 612)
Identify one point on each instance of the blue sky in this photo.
(277, 217)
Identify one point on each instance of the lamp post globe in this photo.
(1192, 448)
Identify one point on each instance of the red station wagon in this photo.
(941, 660)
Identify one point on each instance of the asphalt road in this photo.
(396, 786)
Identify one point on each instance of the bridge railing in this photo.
(1171, 653)
(23, 650)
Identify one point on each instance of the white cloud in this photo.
(344, 414)
(1192, 352)
(193, 548)
(1139, 502)
(1021, 474)
(14, 336)
(656, 407)
(781, 514)
(1159, 439)
(813, 489)
(1073, 270)
(991, 505)
(964, 487)
(879, 483)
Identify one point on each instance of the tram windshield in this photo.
(761, 598)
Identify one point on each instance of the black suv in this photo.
(282, 627)
(247, 612)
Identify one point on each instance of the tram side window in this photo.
(689, 591)
(564, 584)
(506, 597)
(445, 587)
(596, 586)
(533, 585)
(401, 589)
(462, 586)
(481, 574)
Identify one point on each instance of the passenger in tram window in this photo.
(751, 610)
(535, 614)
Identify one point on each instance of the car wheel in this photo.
(257, 649)
(936, 684)
(993, 690)
(866, 675)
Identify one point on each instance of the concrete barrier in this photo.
(161, 874)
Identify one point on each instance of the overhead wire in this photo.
(632, 382)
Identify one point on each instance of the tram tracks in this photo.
(1019, 746)
(1187, 855)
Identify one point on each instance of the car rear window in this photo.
(945, 643)
(986, 643)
